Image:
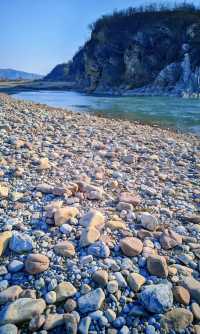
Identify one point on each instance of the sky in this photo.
(36, 35)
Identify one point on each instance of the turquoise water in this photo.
(171, 112)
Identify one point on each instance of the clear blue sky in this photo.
(36, 35)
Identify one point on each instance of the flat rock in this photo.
(64, 290)
(148, 221)
(21, 243)
(92, 301)
(93, 219)
(36, 263)
(136, 281)
(157, 298)
(62, 215)
(21, 310)
(177, 319)
(131, 246)
(65, 248)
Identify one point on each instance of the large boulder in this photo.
(21, 310)
(92, 301)
(157, 298)
(177, 320)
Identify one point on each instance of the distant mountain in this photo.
(10, 74)
(145, 51)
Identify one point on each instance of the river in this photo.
(171, 112)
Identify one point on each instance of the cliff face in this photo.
(141, 52)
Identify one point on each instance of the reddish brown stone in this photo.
(131, 246)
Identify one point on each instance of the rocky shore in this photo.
(100, 224)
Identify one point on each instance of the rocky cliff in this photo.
(140, 52)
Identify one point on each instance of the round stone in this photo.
(131, 246)
(36, 263)
(70, 305)
(64, 248)
(181, 295)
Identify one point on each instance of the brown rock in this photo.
(157, 266)
(36, 263)
(170, 239)
(196, 311)
(181, 295)
(89, 236)
(116, 225)
(193, 286)
(135, 281)
(131, 246)
(62, 215)
(177, 319)
(149, 251)
(4, 191)
(93, 219)
(52, 208)
(10, 294)
(130, 198)
(4, 241)
(100, 277)
(64, 290)
(44, 164)
(65, 248)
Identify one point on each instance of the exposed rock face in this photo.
(133, 50)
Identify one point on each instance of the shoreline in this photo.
(103, 115)
(147, 91)
(99, 223)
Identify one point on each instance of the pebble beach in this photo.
(99, 224)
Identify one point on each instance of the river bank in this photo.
(99, 224)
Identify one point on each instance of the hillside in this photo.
(10, 74)
(145, 51)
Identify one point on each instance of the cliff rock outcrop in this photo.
(138, 52)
